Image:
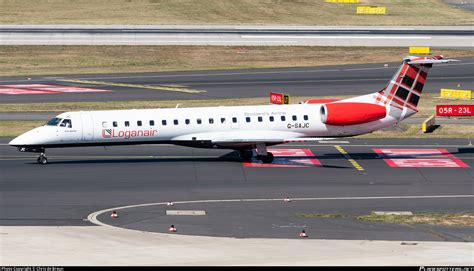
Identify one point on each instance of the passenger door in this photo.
(87, 127)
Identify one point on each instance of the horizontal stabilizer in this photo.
(416, 60)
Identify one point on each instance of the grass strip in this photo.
(447, 219)
(26, 60)
(256, 12)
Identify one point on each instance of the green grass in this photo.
(323, 216)
(287, 12)
(447, 219)
(117, 105)
(11, 128)
(461, 219)
(55, 60)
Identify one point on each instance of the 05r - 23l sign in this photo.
(455, 110)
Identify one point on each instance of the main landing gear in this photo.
(42, 159)
(266, 159)
(262, 154)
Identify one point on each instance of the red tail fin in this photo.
(404, 90)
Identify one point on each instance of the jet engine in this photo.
(342, 114)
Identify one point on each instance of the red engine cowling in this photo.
(342, 114)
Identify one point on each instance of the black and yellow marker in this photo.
(349, 158)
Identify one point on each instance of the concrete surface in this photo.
(57, 246)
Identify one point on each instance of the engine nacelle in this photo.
(319, 101)
(342, 114)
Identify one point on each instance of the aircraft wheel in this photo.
(267, 159)
(42, 159)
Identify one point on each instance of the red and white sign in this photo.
(44, 89)
(454, 110)
(279, 98)
(419, 158)
(288, 158)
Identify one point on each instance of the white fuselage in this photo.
(197, 127)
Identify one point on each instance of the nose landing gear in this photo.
(42, 159)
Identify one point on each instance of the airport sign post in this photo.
(279, 98)
(454, 110)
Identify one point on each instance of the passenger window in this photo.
(272, 118)
(163, 122)
(115, 124)
(127, 124)
(104, 124)
(234, 120)
(260, 119)
(139, 123)
(187, 121)
(66, 123)
(294, 117)
(283, 118)
(222, 120)
(247, 119)
(305, 117)
(199, 121)
(175, 122)
(152, 123)
(211, 121)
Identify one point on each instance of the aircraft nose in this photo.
(18, 141)
(27, 138)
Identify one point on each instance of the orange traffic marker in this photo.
(303, 234)
(172, 229)
(114, 214)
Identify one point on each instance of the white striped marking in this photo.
(185, 212)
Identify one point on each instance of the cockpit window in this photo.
(66, 123)
(54, 122)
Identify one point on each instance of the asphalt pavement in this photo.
(80, 181)
(308, 81)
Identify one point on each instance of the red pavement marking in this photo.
(287, 158)
(44, 89)
(414, 158)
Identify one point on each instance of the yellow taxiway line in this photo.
(349, 158)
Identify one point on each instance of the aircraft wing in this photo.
(249, 137)
(268, 140)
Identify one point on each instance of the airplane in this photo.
(247, 129)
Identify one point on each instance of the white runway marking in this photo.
(345, 37)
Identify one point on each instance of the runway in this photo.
(82, 181)
(452, 36)
(308, 81)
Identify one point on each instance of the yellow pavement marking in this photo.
(177, 88)
(349, 158)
